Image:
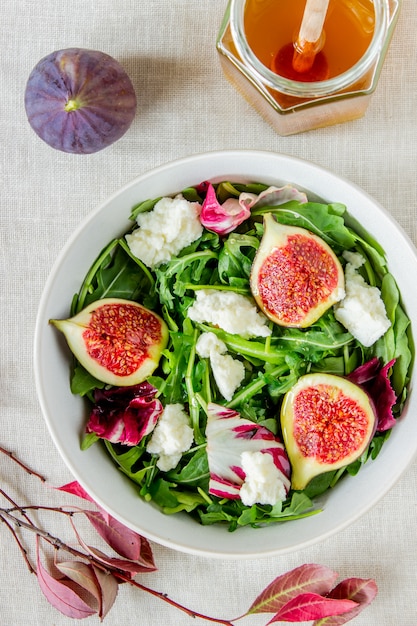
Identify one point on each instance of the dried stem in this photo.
(162, 596)
(22, 465)
(20, 545)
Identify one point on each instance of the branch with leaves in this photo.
(88, 582)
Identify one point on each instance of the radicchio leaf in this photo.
(361, 590)
(375, 381)
(102, 586)
(307, 578)
(58, 593)
(228, 435)
(222, 218)
(273, 196)
(308, 606)
(124, 414)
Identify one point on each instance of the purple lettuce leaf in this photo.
(374, 379)
(124, 414)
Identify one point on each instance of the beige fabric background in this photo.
(185, 107)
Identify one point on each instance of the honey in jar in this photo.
(256, 43)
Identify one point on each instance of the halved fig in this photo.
(327, 422)
(117, 341)
(295, 276)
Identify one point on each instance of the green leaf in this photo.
(325, 220)
(193, 473)
(82, 382)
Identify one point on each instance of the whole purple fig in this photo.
(79, 101)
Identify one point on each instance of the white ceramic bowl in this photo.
(65, 413)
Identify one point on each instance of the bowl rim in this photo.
(39, 338)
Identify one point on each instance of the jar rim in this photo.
(302, 88)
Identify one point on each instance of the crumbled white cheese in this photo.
(171, 437)
(230, 311)
(362, 311)
(227, 371)
(164, 231)
(264, 483)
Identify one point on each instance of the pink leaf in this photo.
(308, 606)
(80, 573)
(360, 590)
(109, 588)
(60, 594)
(102, 586)
(76, 490)
(130, 568)
(124, 541)
(308, 578)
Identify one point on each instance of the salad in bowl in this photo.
(240, 349)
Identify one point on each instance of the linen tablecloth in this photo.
(185, 106)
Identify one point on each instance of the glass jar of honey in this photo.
(254, 43)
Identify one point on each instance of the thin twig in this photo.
(22, 465)
(165, 598)
(20, 545)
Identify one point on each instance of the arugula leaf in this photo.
(115, 274)
(325, 220)
(236, 258)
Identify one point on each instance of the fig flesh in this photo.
(295, 275)
(79, 100)
(117, 341)
(327, 422)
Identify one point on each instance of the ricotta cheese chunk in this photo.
(264, 483)
(171, 437)
(234, 313)
(362, 311)
(163, 232)
(228, 372)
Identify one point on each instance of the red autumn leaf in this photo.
(80, 573)
(76, 490)
(360, 590)
(102, 586)
(109, 588)
(129, 568)
(308, 606)
(308, 578)
(58, 593)
(124, 541)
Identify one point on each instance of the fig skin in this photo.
(79, 101)
(117, 341)
(327, 422)
(295, 277)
